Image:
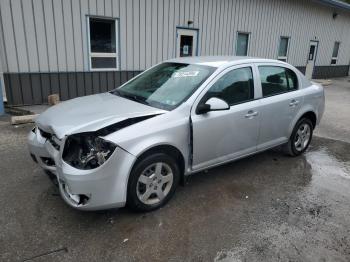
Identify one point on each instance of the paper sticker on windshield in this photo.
(186, 74)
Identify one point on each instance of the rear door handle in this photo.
(251, 114)
(293, 102)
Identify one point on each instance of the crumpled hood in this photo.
(90, 113)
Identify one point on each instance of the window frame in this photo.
(115, 55)
(202, 96)
(335, 58)
(283, 58)
(275, 65)
(242, 102)
(248, 39)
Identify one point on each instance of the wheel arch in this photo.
(308, 113)
(168, 149)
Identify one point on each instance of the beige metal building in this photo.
(81, 47)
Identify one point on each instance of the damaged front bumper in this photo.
(101, 188)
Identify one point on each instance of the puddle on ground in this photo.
(323, 163)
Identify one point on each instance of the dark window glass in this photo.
(102, 35)
(235, 87)
(276, 80)
(186, 45)
(242, 44)
(283, 48)
(312, 52)
(335, 49)
(103, 62)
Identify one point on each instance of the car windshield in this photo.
(166, 85)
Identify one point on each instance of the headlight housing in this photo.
(87, 150)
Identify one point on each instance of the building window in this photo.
(103, 44)
(335, 53)
(283, 49)
(242, 44)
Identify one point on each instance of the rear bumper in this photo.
(100, 188)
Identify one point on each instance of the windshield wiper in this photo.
(130, 96)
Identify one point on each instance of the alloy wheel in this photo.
(154, 183)
(302, 137)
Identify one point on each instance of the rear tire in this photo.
(300, 138)
(152, 182)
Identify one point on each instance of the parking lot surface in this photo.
(268, 207)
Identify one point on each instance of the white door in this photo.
(186, 42)
(311, 59)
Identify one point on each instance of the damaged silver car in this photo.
(135, 144)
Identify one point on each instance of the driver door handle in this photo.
(293, 102)
(251, 114)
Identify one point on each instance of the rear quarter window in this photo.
(276, 80)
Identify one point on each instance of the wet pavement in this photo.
(267, 207)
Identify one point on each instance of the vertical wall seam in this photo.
(64, 35)
(4, 42)
(54, 27)
(14, 37)
(27, 53)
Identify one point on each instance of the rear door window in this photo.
(276, 80)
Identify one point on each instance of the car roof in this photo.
(222, 61)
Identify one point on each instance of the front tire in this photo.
(300, 138)
(152, 182)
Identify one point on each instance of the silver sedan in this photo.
(134, 145)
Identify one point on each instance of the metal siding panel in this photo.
(3, 54)
(20, 39)
(63, 86)
(72, 84)
(81, 87)
(93, 7)
(9, 38)
(41, 41)
(50, 35)
(160, 24)
(60, 35)
(154, 32)
(8, 88)
(26, 88)
(129, 36)
(123, 35)
(110, 81)
(69, 36)
(88, 83)
(36, 88)
(100, 7)
(96, 87)
(136, 33)
(103, 82)
(171, 30)
(142, 29)
(108, 8)
(84, 10)
(16, 91)
(117, 78)
(148, 42)
(45, 86)
(55, 84)
(31, 36)
(77, 36)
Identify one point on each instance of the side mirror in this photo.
(213, 104)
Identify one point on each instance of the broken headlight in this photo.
(87, 151)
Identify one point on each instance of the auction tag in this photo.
(186, 74)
